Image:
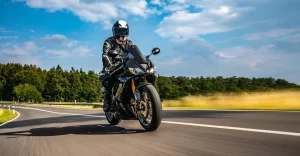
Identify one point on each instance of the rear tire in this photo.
(156, 108)
(110, 117)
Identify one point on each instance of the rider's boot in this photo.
(107, 100)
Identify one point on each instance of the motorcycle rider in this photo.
(119, 42)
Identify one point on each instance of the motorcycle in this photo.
(134, 96)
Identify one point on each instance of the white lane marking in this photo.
(11, 119)
(98, 116)
(190, 124)
(234, 128)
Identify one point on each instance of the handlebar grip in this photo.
(115, 68)
(118, 64)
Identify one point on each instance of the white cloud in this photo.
(21, 59)
(39, 51)
(175, 7)
(223, 10)
(191, 46)
(58, 53)
(75, 48)
(7, 44)
(59, 39)
(224, 56)
(264, 58)
(247, 61)
(185, 23)
(263, 61)
(93, 10)
(171, 5)
(81, 51)
(32, 30)
(294, 38)
(107, 24)
(201, 17)
(157, 2)
(171, 61)
(8, 37)
(249, 57)
(27, 48)
(274, 33)
(15, 53)
(180, 1)
(55, 37)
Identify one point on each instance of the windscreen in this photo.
(135, 55)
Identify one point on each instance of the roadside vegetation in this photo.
(31, 84)
(5, 102)
(6, 115)
(248, 101)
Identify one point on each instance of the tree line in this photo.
(177, 87)
(29, 82)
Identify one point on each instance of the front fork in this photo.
(137, 94)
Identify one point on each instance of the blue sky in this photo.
(250, 38)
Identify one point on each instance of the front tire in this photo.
(156, 108)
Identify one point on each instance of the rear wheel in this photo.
(151, 114)
(111, 118)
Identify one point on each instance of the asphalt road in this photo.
(55, 132)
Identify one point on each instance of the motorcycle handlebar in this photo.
(116, 67)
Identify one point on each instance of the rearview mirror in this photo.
(155, 51)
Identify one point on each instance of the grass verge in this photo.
(249, 101)
(6, 115)
(6, 102)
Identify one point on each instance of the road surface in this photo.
(55, 132)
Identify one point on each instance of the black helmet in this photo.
(120, 30)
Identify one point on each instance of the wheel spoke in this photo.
(145, 116)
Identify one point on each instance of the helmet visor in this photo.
(121, 32)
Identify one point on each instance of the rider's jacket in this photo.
(111, 44)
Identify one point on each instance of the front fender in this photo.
(142, 84)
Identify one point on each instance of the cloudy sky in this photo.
(250, 38)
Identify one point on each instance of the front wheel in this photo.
(151, 114)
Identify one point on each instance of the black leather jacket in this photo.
(111, 44)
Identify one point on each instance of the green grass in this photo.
(6, 115)
(6, 102)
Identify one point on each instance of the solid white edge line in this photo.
(183, 123)
(11, 119)
(234, 128)
(64, 113)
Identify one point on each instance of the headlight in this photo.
(152, 70)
